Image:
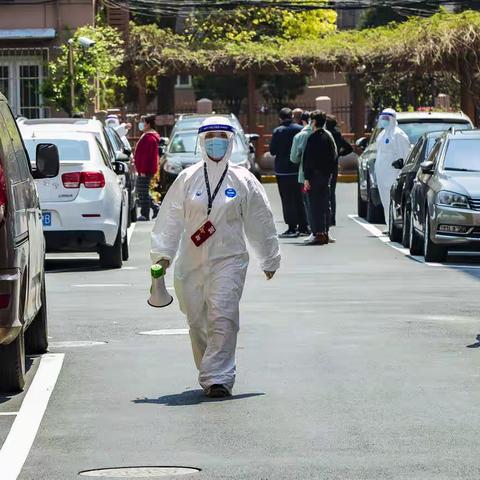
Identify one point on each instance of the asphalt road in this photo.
(356, 362)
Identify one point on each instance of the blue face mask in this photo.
(216, 148)
(384, 123)
(141, 126)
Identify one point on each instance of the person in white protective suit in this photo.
(205, 215)
(392, 144)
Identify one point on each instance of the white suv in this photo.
(84, 207)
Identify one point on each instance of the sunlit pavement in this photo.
(355, 362)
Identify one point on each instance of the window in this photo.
(184, 81)
(462, 155)
(29, 88)
(68, 150)
(104, 155)
(410, 160)
(4, 80)
(415, 130)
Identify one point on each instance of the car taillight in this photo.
(93, 179)
(71, 180)
(89, 179)
(3, 194)
(4, 300)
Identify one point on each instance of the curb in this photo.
(342, 178)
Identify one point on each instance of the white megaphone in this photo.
(159, 297)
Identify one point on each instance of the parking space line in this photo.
(24, 429)
(8, 414)
(400, 248)
(102, 285)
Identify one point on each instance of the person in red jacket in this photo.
(146, 162)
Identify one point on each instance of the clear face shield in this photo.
(216, 141)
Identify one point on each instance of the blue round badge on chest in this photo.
(387, 141)
(198, 194)
(230, 192)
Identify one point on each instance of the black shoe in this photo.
(304, 232)
(155, 210)
(141, 218)
(289, 234)
(218, 391)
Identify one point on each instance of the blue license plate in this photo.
(47, 219)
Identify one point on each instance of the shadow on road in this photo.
(192, 397)
(476, 344)
(71, 265)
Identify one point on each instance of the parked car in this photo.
(446, 198)
(183, 151)
(400, 206)
(23, 307)
(414, 124)
(123, 152)
(84, 208)
(88, 126)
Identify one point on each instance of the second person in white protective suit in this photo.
(205, 215)
(392, 144)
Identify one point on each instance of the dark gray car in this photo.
(445, 198)
(23, 310)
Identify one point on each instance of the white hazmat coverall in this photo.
(209, 279)
(392, 144)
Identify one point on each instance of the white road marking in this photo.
(376, 232)
(102, 285)
(172, 331)
(8, 414)
(130, 232)
(24, 429)
(74, 344)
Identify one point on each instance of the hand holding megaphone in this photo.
(159, 296)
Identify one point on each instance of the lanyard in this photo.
(211, 197)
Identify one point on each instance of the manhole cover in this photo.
(171, 331)
(74, 344)
(139, 472)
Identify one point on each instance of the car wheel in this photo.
(374, 213)
(431, 251)
(406, 226)
(415, 241)
(36, 336)
(361, 205)
(393, 231)
(111, 256)
(12, 360)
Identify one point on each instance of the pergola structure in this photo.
(443, 42)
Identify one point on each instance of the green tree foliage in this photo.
(102, 61)
(254, 26)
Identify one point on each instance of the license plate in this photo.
(47, 219)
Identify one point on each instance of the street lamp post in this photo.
(85, 43)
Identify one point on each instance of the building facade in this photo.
(30, 34)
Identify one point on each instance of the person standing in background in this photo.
(287, 176)
(296, 155)
(318, 164)
(297, 115)
(146, 162)
(343, 148)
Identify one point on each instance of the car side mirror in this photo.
(127, 152)
(47, 161)
(120, 168)
(163, 142)
(398, 164)
(252, 137)
(427, 167)
(362, 143)
(121, 157)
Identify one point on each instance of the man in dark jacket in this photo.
(319, 162)
(146, 163)
(287, 176)
(343, 148)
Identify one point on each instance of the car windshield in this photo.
(415, 130)
(68, 150)
(462, 155)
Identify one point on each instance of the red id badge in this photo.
(203, 233)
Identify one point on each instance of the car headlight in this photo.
(451, 199)
(172, 167)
